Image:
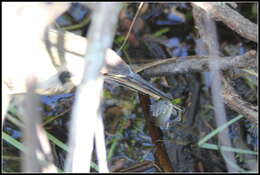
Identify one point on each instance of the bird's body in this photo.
(115, 69)
(56, 60)
(66, 52)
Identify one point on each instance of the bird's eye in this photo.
(64, 77)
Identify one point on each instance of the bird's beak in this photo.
(137, 83)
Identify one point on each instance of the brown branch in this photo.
(199, 64)
(101, 34)
(138, 167)
(156, 134)
(235, 102)
(211, 42)
(232, 19)
(37, 156)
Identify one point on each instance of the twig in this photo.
(231, 18)
(199, 64)
(100, 145)
(88, 95)
(37, 156)
(161, 155)
(139, 167)
(211, 40)
(236, 103)
(131, 26)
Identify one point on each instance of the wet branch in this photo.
(210, 38)
(231, 18)
(37, 156)
(199, 64)
(86, 121)
(236, 103)
(161, 155)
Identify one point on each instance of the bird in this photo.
(56, 60)
(115, 69)
(62, 63)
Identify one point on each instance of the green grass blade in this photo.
(226, 148)
(219, 129)
(20, 146)
(57, 142)
(161, 32)
(12, 141)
